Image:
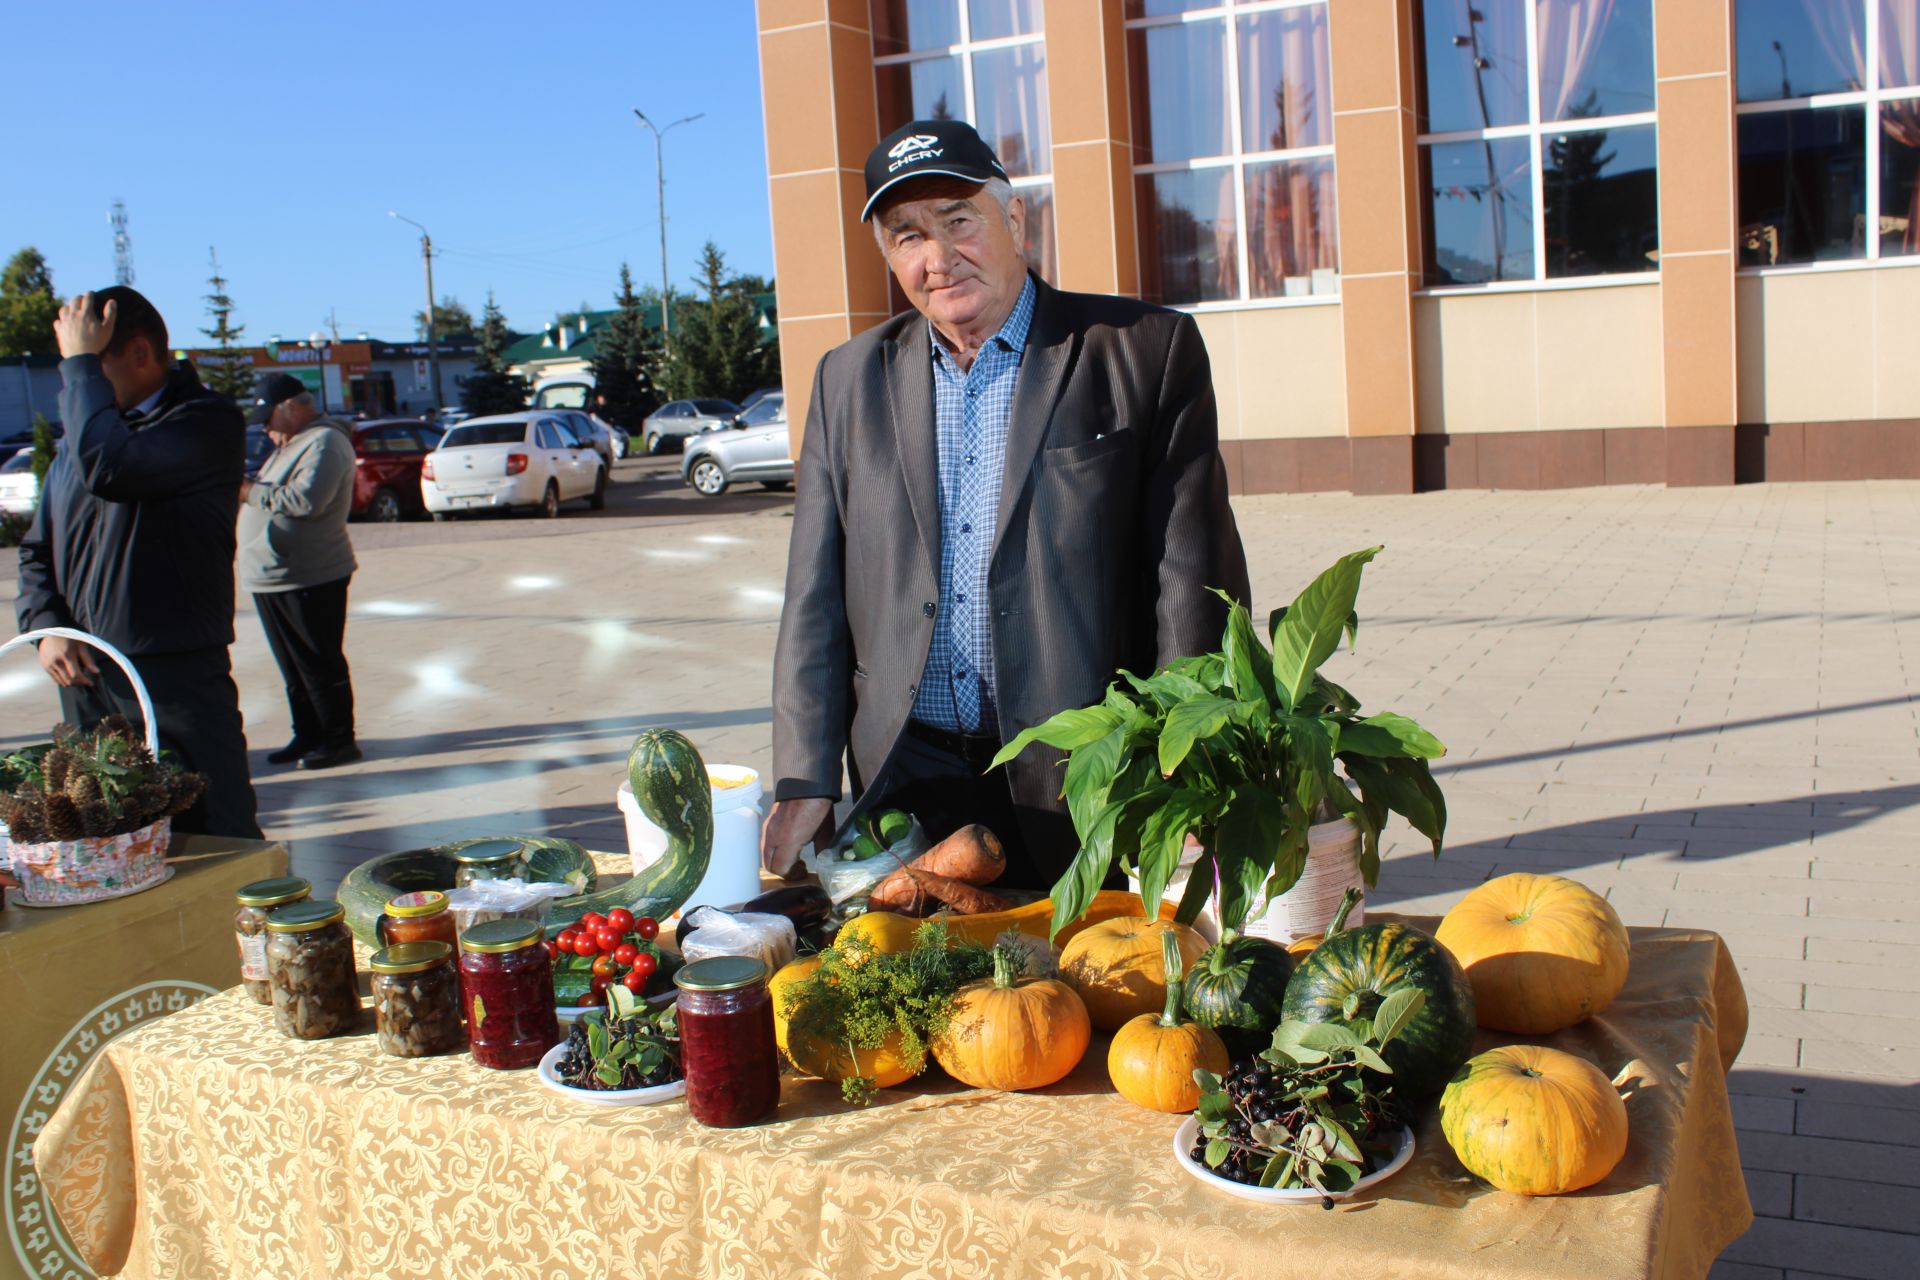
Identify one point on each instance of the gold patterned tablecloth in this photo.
(206, 1145)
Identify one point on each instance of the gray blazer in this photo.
(1113, 522)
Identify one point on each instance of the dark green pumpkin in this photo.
(1349, 974)
(1238, 989)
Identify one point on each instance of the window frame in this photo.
(1869, 99)
(1536, 130)
(1236, 159)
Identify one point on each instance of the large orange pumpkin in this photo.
(1542, 952)
(1533, 1120)
(1009, 1032)
(1116, 967)
(1153, 1057)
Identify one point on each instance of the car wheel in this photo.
(708, 478)
(384, 507)
(599, 499)
(550, 501)
(653, 444)
(776, 486)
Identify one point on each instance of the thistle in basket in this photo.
(102, 782)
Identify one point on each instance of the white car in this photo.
(529, 460)
(19, 492)
(574, 391)
(754, 448)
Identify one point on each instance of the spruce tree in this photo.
(490, 388)
(716, 347)
(28, 306)
(628, 361)
(232, 373)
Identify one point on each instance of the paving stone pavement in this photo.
(1699, 702)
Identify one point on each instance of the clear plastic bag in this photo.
(769, 939)
(484, 900)
(846, 878)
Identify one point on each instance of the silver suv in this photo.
(672, 423)
(755, 448)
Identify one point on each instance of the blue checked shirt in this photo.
(972, 411)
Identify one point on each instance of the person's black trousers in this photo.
(307, 631)
(198, 709)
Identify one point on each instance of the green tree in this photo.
(451, 319)
(717, 347)
(627, 365)
(43, 449)
(28, 306)
(490, 388)
(231, 374)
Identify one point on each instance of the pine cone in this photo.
(83, 789)
(56, 768)
(186, 790)
(22, 814)
(144, 803)
(63, 818)
(100, 820)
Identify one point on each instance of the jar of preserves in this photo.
(726, 1041)
(310, 969)
(416, 999)
(253, 901)
(506, 980)
(489, 860)
(416, 917)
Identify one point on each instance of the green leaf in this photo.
(1241, 876)
(1289, 862)
(1069, 730)
(1309, 745)
(1163, 835)
(1390, 735)
(1350, 1175)
(1090, 775)
(1215, 1106)
(1310, 631)
(1217, 1152)
(1404, 786)
(1249, 666)
(1199, 885)
(1195, 720)
(1251, 831)
(1344, 1147)
(1368, 1058)
(1209, 670)
(609, 1076)
(1073, 892)
(1327, 1036)
(1328, 694)
(596, 1039)
(1395, 1012)
(1279, 1173)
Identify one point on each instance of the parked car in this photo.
(449, 415)
(530, 460)
(387, 457)
(575, 391)
(672, 423)
(589, 426)
(755, 448)
(19, 491)
(758, 396)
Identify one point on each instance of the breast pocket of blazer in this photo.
(1114, 443)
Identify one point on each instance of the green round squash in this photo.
(1349, 974)
(1239, 988)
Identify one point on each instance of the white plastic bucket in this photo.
(1333, 865)
(733, 873)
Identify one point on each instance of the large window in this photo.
(1233, 149)
(985, 62)
(1829, 122)
(1537, 140)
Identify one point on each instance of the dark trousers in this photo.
(198, 709)
(307, 631)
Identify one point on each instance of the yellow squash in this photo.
(1542, 952)
(1116, 966)
(1533, 1120)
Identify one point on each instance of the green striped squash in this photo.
(1238, 988)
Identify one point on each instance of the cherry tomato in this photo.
(647, 927)
(621, 919)
(636, 982)
(599, 984)
(553, 948)
(588, 1000)
(644, 964)
(566, 939)
(607, 938)
(603, 966)
(624, 953)
(584, 945)
(592, 920)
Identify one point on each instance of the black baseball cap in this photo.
(275, 391)
(922, 147)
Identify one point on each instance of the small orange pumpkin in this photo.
(1534, 1121)
(1116, 968)
(1153, 1057)
(1010, 1032)
(1542, 952)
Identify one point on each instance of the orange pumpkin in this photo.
(1534, 1121)
(1116, 966)
(790, 974)
(1542, 952)
(1153, 1057)
(815, 1056)
(1009, 1032)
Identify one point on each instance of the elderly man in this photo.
(133, 543)
(1002, 499)
(296, 559)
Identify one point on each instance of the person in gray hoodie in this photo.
(296, 560)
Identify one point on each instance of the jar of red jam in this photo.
(726, 1041)
(506, 980)
(416, 917)
(252, 902)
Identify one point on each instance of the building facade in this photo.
(358, 376)
(1430, 243)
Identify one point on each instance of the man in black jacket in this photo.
(134, 543)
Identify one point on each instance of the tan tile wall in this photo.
(1278, 372)
(1829, 346)
(1092, 154)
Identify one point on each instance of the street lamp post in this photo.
(433, 344)
(316, 343)
(660, 171)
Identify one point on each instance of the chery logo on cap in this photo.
(912, 142)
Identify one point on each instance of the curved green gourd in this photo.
(1238, 988)
(669, 781)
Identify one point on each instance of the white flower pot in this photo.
(1333, 867)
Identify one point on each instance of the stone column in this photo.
(1092, 150)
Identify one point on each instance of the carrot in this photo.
(971, 855)
(964, 898)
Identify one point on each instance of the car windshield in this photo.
(763, 411)
(21, 461)
(467, 435)
(725, 408)
(568, 395)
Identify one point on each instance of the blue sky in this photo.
(282, 135)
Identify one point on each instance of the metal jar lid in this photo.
(409, 957)
(488, 851)
(412, 906)
(496, 936)
(271, 893)
(298, 917)
(721, 973)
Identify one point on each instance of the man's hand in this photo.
(69, 662)
(81, 333)
(790, 824)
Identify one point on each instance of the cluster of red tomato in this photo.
(617, 956)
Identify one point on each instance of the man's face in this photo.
(132, 372)
(285, 422)
(956, 256)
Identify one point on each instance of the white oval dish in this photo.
(550, 1077)
(1189, 1130)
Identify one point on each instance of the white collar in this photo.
(148, 405)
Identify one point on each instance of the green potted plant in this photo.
(1239, 749)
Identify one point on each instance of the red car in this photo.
(387, 457)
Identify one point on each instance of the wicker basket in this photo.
(67, 873)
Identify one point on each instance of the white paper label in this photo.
(253, 956)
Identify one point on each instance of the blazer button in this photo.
(927, 608)
(913, 691)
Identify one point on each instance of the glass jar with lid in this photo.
(506, 980)
(310, 969)
(489, 860)
(252, 902)
(416, 917)
(416, 999)
(726, 1041)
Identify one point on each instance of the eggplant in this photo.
(807, 905)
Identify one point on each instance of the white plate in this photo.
(550, 1077)
(1189, 1130)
